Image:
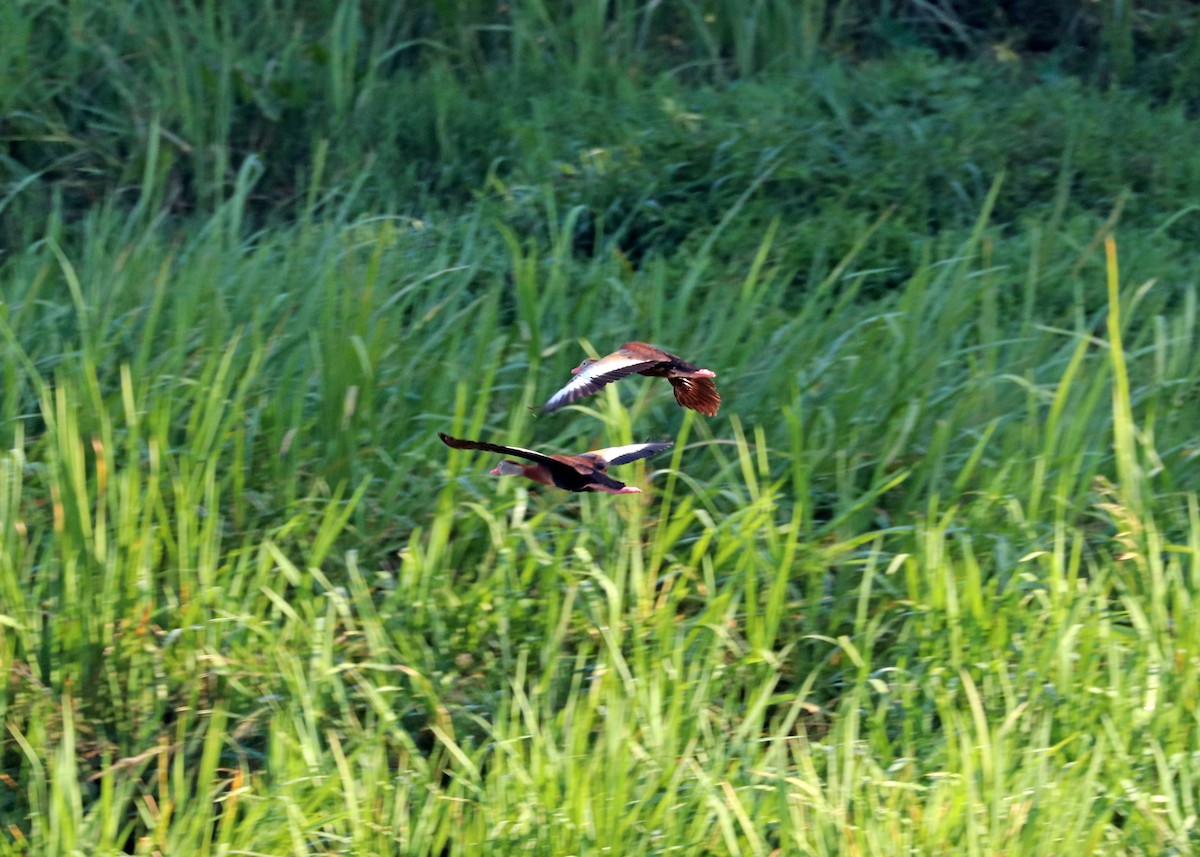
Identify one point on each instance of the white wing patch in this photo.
(605, 371)
(615, 455)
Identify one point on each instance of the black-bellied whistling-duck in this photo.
(584, 472)
(693, 386)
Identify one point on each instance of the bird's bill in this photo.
(507, 468)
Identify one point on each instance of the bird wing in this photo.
(532, 455)
(699, 394)
(645, 351)
(675, 363)
(586, 467)
(615, 455)
(614, 367)
(568, 468)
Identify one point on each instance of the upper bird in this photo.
(584, 472)
(693, 386)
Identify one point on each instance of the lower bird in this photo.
(693, 386)
(584, 472)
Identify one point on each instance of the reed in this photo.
(905, 589)
(927, 584)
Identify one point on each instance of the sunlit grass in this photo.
(926, 585)
(902, 594)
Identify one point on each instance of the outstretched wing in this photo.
(615, 455)
(531, 455)
(614, 367)
(699, 394)
(644, 351)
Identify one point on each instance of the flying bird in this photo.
(585, 472)
(693, 386)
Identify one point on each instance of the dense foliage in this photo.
(926, 584)
(163, 105)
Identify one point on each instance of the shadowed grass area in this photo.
(653, 118)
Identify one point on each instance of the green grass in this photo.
(926, 585)
(653, 117)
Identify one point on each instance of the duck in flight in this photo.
(584, 472)
(693, 386)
